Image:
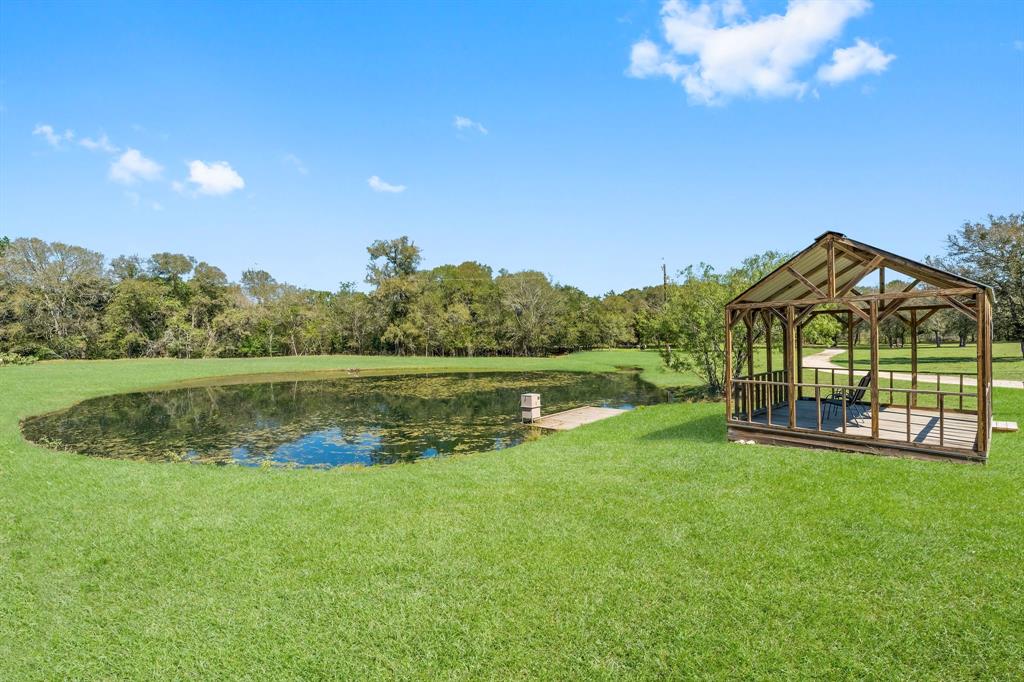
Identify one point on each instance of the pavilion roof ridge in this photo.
(852, 260)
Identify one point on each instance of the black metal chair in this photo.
(833, 403)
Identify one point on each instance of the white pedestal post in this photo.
(530, 406)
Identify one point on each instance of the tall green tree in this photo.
(531, 306)
(993, 253)
(392, 272)
(692, 322)
(56, 293)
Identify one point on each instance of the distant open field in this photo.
(641, 546)
(1007, 362)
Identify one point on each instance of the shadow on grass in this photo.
(707, 429)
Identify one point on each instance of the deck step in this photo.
(1004, 427)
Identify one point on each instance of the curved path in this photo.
(823, 360)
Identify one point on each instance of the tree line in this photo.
(65, 301)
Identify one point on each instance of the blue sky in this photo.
(611, 135)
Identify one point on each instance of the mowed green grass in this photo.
(640, 546)
(1007, 362)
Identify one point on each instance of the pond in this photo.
(327, 421)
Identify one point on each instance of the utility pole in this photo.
(664, 282)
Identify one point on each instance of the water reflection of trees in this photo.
(377, 419)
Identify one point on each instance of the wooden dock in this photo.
(570, 419)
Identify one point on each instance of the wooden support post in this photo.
(749, 322)
(800, 359)
(728, 364)
(881, 284)
(982, 381)
(849, 346)
(988, 372)
(791, 363)
(873, 313)
(772, 389)
(752, 389)
(912, 398)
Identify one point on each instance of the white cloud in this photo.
(53, 137)
(851, 62)
(378, 185)
(102, 143)
(715, 53)
(157, 206)
(132, 166)
(296, 163)
(464, 123)
(733, 10)
(647, 60)
(215, 178)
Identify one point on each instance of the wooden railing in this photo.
(764, 393)
(758, 394)
(887, 380)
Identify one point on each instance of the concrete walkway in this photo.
(823, 360)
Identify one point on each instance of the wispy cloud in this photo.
(717, 53)
(132, 166)
(215, 179)
(850, 62)
(464, 123)
(102, 144)
(296, 163)
(378, 185)
(53, 137)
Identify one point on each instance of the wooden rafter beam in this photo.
(860, 313)
(804, 315)
(779, 292)
(966, 310)
(861, 274)
(850, 251)
(910, 287)
(889, 296)
(903, 309)
(840, 315)
(895, 307)
(909, 267)
(831, 267)
(778, 314)
(806, 282)
(921, 320)
(857, 262)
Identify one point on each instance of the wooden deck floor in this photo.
(958, 430)
(570, 419)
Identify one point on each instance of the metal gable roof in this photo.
(852, 259)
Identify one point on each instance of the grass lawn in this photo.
(640, 546)
(1006, 359)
